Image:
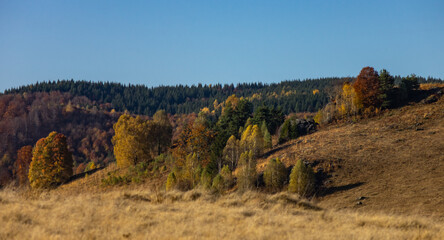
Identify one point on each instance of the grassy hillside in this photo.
(384, 180)
(395, 161)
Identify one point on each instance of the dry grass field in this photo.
(387, 182)
(142, 214)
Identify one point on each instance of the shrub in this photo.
(275, 175)
(302, 179)
(51, 162)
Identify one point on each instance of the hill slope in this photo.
(394, 161)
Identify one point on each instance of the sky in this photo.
(213, 41)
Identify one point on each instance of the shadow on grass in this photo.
(81, 175)
(330, 190)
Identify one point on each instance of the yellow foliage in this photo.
(316, 91)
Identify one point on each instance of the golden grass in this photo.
(141, 214)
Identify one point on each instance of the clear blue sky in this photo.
(189, 42)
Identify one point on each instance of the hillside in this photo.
(394, 161)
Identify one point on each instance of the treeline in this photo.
(292, 96)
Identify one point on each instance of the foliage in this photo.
(51, 162)
(386, 84)
(171, 181)
(206, 178)
(284, 133)
(302, 179)
(137, 140)
(293, 96)
(218, 183)
(227, 175)
(24, 158)
(246, 175)
(231, 152)
(367, 87)
(267, 136)
(275, 174)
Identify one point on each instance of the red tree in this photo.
(24, 158)
(367, 87)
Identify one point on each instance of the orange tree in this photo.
(367, 88)
(24, 158)
(51, 162)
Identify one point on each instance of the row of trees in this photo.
(368, 94)
(292, 96)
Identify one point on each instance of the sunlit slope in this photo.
(395, 161)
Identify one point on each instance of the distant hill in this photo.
(291, 96)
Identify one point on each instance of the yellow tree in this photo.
(231, 152)
(246, 176)
(51, 162)
(133, 140)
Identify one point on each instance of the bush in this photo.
(302, 179)
(275, 175)
(51, 162)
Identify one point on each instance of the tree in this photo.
(386, 84)
(163, 130)
(171, 181)
(266, 134)
(275, 174)
(302, 179)
(284, 133)
(367, 87)
(24, 158)
(231, 152)
(51, 162)
(133, 141)
(246, 176)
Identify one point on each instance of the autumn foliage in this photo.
(367, 87)
(24, 158)
(51, 162)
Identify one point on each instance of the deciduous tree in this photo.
(51, 162)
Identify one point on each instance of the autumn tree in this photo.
(367, 87)
(267, 135)
(24, 158)
(252, 140)
(231, 152)
(275, 174)
(51, 162)
(133, 140)
(246, 175)
(302, 179)
(163, 130)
